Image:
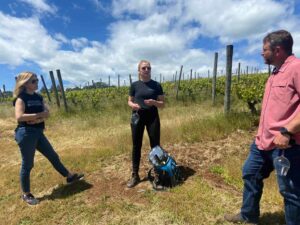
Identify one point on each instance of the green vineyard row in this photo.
(249, 89)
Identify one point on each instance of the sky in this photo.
(93, 39)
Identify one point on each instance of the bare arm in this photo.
(21, 116)
(46, 111)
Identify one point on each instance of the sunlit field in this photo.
(210, 146)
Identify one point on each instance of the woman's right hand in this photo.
(40, 120)
(135, 107)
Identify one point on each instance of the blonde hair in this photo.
(139, 66)
(21, 80)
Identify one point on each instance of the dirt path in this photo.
(196, 158)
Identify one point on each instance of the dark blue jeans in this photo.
(257, 167)
(29, 139)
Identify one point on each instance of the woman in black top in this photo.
(145, 96)
(31, 112)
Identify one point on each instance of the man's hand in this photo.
(282, 141)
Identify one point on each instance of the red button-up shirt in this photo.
(281, 103)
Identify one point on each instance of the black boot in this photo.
(134, 180)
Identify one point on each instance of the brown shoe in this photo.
(237, 218)
(133, 181)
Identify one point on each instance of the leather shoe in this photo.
(237, 218)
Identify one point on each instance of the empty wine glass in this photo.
(135, 117)
(281, 164)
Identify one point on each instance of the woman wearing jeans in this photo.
(31, 112)
(145, 96)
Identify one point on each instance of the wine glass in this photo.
(135, 117)
(281, 164)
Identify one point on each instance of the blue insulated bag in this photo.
(165, 173)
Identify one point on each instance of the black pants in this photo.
(150, 119)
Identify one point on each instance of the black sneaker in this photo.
(133, 181)
(75, 177)
(30, 199)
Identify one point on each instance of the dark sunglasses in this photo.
(34, 81)
(146, 67)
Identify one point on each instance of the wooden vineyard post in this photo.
(229, 54)
(239, 72)
(130, 80)
(54, 88)
(45, 87)
(62, 89)
(178, 85)
(214, 80)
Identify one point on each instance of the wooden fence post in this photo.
(54, 88)
(239, 72)
(191, 75)
(4, 91)
(62, 89)
(178, 85)
(118, 80)
(108, 81)
(47, 92)
(2, 95)
(214, 81)
(229, 54)
(130, 80)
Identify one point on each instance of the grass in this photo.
(210, 145)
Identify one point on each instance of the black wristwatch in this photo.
(284, 131)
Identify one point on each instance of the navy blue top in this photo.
(145, 90)
(33, 104)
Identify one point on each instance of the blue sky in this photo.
(93, 39)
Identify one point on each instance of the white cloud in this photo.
(99, 5)
(61, 38)
(41, 6)
(163, 32)
(142, 8)
(79, 43)
(232, 20)
(24, 40)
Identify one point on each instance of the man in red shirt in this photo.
(278, 132)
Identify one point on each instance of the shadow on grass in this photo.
(66, 190)
(276, 218)
(186, 172)
(165, 181)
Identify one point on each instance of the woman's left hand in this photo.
(150, 102)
